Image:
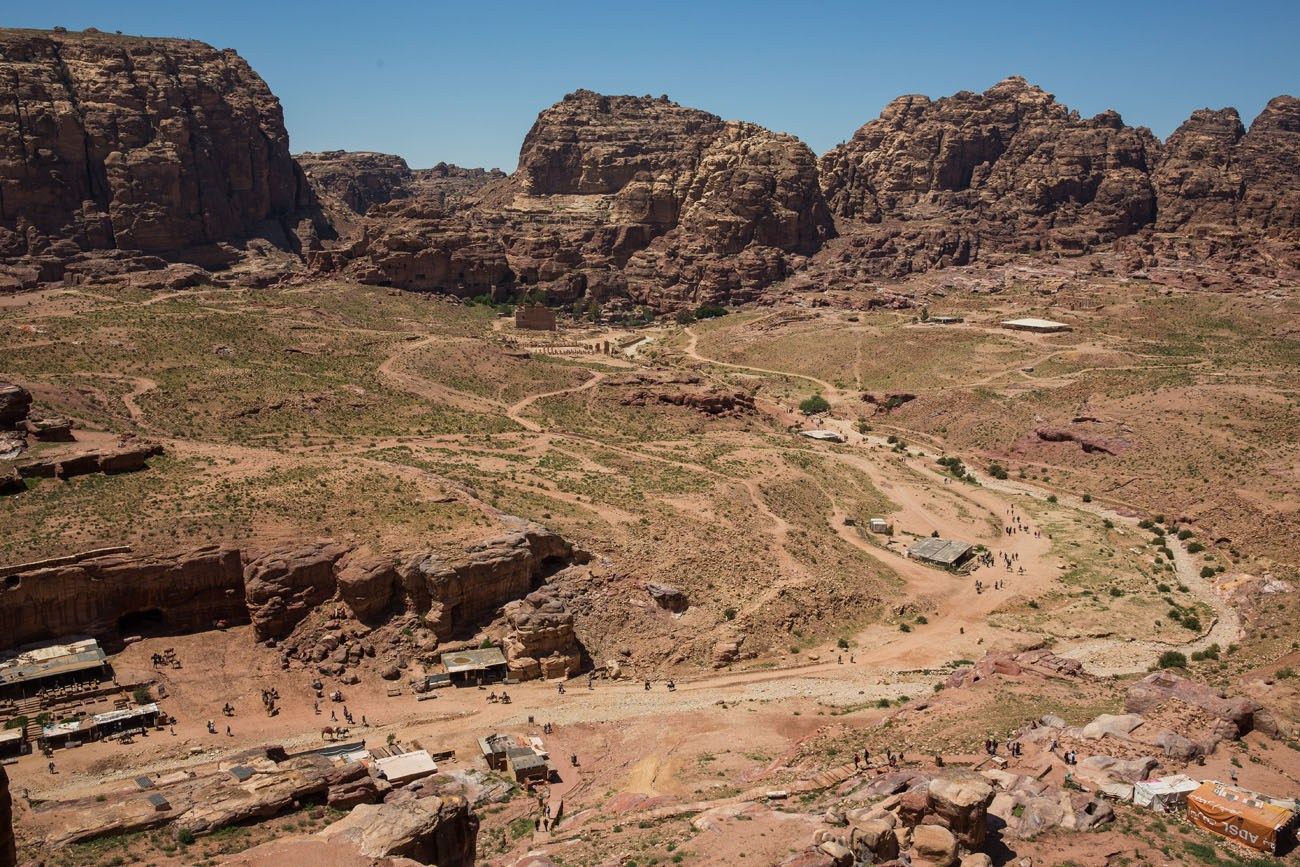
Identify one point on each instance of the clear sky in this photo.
(463, 81)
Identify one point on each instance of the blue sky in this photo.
(462, 81)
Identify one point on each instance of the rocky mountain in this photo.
(125, 153)
(615, 196)
(123, 158)
(943, 182)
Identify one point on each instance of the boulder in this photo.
(667, 596)
(876, 837)
(962, 803)
(935, 845)
(1114, 725)
(433, 830)
(15, 403)
(1239, 712)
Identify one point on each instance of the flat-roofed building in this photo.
(472, 667)
(28, 670)
(947, 553)
(406, 767)
(1042, 326)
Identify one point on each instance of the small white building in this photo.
(880, 525)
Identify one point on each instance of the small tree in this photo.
(1172, 659)
(814, 405)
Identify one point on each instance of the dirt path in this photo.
(959, 605)
(390, 368)
(514, 412)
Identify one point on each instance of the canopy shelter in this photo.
(1240, 815)
(947, 553)
(25, 672)
(471, 667)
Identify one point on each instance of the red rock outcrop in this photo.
(1238, 715)
(615, 196)
(8, 852)
(934, 183)
(136, 145)
(541, 641)
(15, 403)
(282, 587)
(113, 595)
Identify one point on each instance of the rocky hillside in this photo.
(615, 196)
(123, 157)
(123, 153)
(932, 183)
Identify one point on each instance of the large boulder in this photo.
(1239, 715)
(433, 830)
(15, 403)
(962, 804)
(935, 845)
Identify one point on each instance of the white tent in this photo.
(1164, 793)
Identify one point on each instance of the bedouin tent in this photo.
(1239, 814)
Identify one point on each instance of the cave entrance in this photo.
(549, 566)
(150, 621)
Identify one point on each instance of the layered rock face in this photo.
(615, 196)
(934, 183)
(447, 594)
(116, 594)
(8, 853)
(541, 641)
(133, 146)
(977, 176)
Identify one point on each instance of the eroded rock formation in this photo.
(116, 594)
(935, 182)
(140, 149)
(932, 183)
(8, 853)
(614, 196)
(15, 403)
(541, 641)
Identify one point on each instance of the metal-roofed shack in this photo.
(945, 553)
(473, 667)
(25, 672)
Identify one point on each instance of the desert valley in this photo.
(680, 497)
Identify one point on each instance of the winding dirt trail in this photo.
(515, 410)
(956, 602)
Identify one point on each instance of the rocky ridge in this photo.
(125, 154)
(615, 196)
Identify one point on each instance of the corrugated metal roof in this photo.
(945, 551)
(473, 660)
(33, 666)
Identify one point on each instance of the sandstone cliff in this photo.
(615, 196)
(8, 853)
(932, 183)
(118, 153)
(115, 595)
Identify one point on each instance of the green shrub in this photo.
(1051, 498)
(729, 614)
(997, 471)
(185, 836)
(1207, 571)
(1192, 622)
(710, 311)
(141, 695)
(903, 627)
(842, 644)
(814, 405)
(1172, 659)
(1087, 498)
(1195, 548)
